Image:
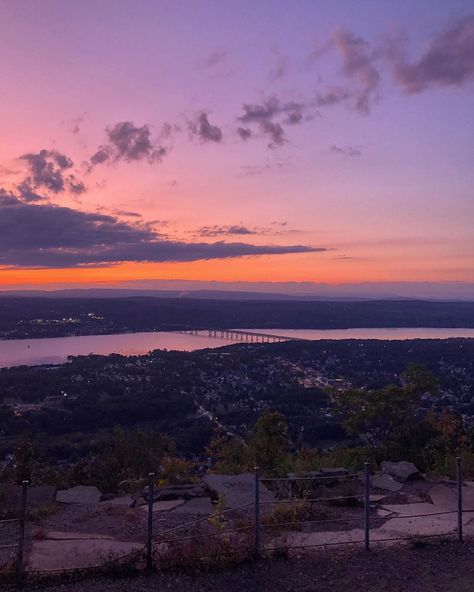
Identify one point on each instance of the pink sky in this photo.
(358, 165)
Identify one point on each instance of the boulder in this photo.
(385, 482)
(237, 490)
(139, 502)
(400, 471)
(82, 494)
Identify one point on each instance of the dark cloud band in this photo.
(49, 236)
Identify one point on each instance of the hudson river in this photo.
(32, 352)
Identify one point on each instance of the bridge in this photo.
(240, 335)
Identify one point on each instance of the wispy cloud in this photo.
(204, 130)
(351, 151)
(217, 230)
(270, 115)
(448, 60)
(48, 170)
(358, 64)
(216, 57)
(281, 67)
(130, 143)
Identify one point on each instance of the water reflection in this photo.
(56, 350)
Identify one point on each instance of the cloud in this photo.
(49, 236)
(48, 170)
(281, 68)
(259, 169)
(204, 130)
(6, 172)
(218, 56)
(358, 64)
(332, 96)
(275, 132)
(244, 132)
(274, 228)
(447, 61)
(130, 143)
(346, 151)
(269, 115)
(220, 230)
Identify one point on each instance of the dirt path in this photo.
(446, 567)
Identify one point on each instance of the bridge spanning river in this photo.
(240, 335)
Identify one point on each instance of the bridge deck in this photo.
(240, 335)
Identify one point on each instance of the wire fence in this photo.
(249, 528)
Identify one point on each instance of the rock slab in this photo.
(164, 506)
(77, 553)
(237, 490)
(82, 494)
(386, 482)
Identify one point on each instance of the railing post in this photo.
(367, 505)
(257, 512)
(459, 491)
(21, 534)
(149, 542)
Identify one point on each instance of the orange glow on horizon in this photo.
(325, 268)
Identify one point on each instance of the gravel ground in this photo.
(447, 567)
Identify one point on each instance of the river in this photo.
(55, 350)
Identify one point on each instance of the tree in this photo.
(374, 416)
(270, 443)
(389, 415)
(419, 380)
(229, 454)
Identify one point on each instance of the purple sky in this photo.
(325, 141)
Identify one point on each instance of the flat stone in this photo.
(164, 506)
(385, 482)
(199, 506)
(237, 490)
(376, 498)
(429, 525)
(443, 497)
(77, 553)
(400, 471)
(82, 494)
(60, 535)
(303, 539)
(421, 509)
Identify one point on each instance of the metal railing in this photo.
(257, 523)
(20, 544)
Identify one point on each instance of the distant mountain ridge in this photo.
(303, 291)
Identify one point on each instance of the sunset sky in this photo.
(232, 140)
